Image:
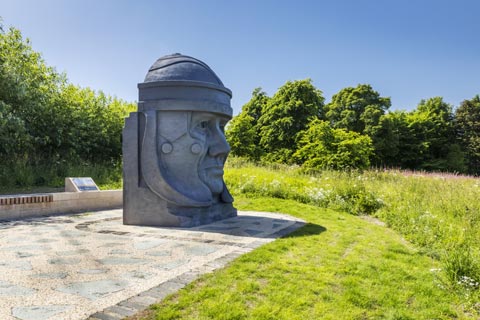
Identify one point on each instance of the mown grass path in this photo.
(338, 266)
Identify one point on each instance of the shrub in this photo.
(322, 147)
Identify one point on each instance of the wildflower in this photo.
(275, 183)
(468, 282)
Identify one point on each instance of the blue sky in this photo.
(407, 50)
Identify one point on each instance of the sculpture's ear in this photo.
(152, 172)
(226, 195)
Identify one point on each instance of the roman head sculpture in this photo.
(174, 147)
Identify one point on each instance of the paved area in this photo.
(91, 266)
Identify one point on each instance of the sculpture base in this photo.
(143, 208)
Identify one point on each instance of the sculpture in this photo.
(174, 147)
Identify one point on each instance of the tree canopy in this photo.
(357, 109)
(44, 118)
(294, 126)
(243, 132)
(286, 115)
(467, 125)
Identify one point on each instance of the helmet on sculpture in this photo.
(179, 82)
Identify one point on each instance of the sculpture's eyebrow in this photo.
(204, 116)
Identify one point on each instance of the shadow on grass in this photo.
(309, 229)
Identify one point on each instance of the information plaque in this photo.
(80, 184)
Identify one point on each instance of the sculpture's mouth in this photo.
(210, 163)
(214, 170)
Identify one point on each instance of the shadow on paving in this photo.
(36, 221)
(280, 227)
(250, 226)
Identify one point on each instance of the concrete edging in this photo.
(19, 206)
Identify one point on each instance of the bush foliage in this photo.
(47, 122)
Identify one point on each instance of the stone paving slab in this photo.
(91, 266)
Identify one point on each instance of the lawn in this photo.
(337, 267)
(344, 264)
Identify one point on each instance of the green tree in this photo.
(47, 119)
(241, 136)
(433, 126)
(27, 86)
(357, 109)
(243, 132)
(254, 108)
(322, 147)
(286, 115)
(388, 137)
(467, 120)
(14, 138)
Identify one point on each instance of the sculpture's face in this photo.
(209, 127)
(193, 151)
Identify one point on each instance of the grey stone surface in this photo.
(121, 260)
(9, 289)
(51, 275)
(32, 247)
(135, 275)
(72, 252)
(252, 232)
(200, 250)
(148, 244)
(64, 261)
(25, 254)
(171, 265)
(174, 147)
(122, 311)
(162, 253)
(105, 316)
(38, 312)
(92, 271)
(118, 251)
(20, 265)
(94, 289)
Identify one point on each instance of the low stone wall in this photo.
(35, 205)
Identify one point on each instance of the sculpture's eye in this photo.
(202, 126)
(222, 127)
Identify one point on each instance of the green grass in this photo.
(340, 266)
(336, 267)
(439, 214)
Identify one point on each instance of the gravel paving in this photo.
(91, 266)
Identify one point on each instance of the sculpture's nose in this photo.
(218, 145)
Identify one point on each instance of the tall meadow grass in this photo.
(438, 213)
